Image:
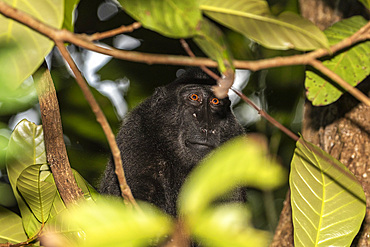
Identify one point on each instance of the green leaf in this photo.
(87, 189)
(254, 19)
(328, 203)
(26, 148)
(24, 97)
(239, 162)
(11, 230)
(176, 19)
(212, 42)
(38, 194)
(7, 198)
(352, 65)
(366, 3)
(109, 222)
(22, 49)
(4, 140)
(69, 10)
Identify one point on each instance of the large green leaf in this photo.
(253, 19)
(351, 64)
(26, 148)
(22, 49)
(11, 230)
(328, 203)
(212, 42)
(176, 19)
(240, 162)
(38, 194)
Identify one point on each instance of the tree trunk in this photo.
(342, 129)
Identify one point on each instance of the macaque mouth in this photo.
(196, 144)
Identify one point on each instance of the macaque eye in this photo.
(194, 97)
(215, 101)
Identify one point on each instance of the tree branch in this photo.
(84, 42)
(100, 117)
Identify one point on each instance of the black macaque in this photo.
(165, 137)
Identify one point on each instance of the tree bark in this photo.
(342, 129)
(56, 152)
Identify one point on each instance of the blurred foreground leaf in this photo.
(239, 162)
(328, 203)
(109, 222)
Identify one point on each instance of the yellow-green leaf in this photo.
(11, 230)
(254, 19)
(69, 11)
(176, 19)
(366, 3)
(328, 203)
(352, 65)
(26, 148)
(38, 194)
(109, 222)
(212, 42)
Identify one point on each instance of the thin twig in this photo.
(192, 55)
(82, 41)
(114, 32)
(267, 116)
(100, 117)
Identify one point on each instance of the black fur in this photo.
(163, 138)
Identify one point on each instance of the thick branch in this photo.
(53, 134)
